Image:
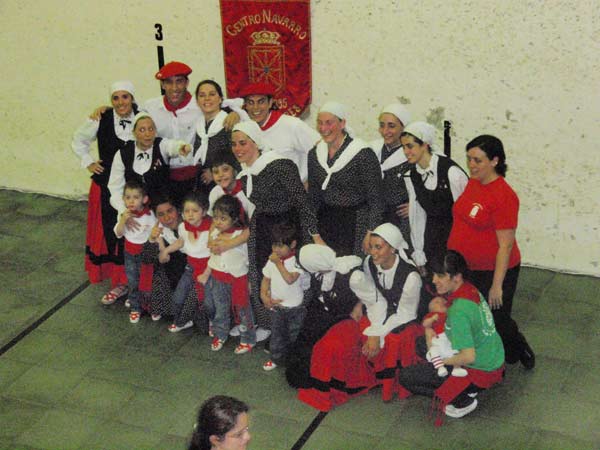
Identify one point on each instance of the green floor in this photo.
(86, 378)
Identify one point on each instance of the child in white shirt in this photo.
(135, 199)
(193, 241)
(282, 291)
(227, 288)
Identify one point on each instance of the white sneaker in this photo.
(175, 329)
(127, 304)
(452, 411)
(156, 317)
(459, 372)
(442, 372)
(262, 334)
(235, 331)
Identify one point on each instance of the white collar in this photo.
(395, 159)
(433, 163)
(392, 270)
(139, 150)
(355, 146)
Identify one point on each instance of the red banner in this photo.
(268, 41)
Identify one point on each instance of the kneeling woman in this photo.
(390, 287)
(326, 361)
(470, 328)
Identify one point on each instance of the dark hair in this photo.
(226, 157)
(135, 184)
(216, 417)
(197, 197)
(452, 263)
(283, 233)
(160, 198)
(416, 139)
(230, 206)
(213, 84)
(493, 148)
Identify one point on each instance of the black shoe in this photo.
(527, 357)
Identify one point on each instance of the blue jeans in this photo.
(285, 326)
(133, 264)
(185, 284)
(217, 301)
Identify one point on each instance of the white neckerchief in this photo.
(395, 159)
(215, 127)
(347, 155)
(263, 161)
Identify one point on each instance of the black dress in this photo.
(324, 310)
(351, 204)
(279, 196)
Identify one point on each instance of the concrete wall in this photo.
(526, 71)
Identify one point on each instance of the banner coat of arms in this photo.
(268, 41)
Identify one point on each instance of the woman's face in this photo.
(236, 438)
(245, 149)
(445, 283)
(144, 133)
(412, 149)
(382, 253)
(480, 166)
(330, 127)
(122, 103)
(209, 100)
(390, 129)
(167, 215)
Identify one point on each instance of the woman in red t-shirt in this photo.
(484, 227)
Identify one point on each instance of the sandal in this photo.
(114, 294)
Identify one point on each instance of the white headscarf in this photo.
(338, 110)
(253, 131)
(398, 110)
(123, 85)
(392, 235)
(320, 258)
(424, 132)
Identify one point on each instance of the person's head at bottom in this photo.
(222, 424)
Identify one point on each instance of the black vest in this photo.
(393, 294)
(436, 203)
(156, 178)
(438, 207)
(108, 144)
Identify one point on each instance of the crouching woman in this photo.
(470, 328)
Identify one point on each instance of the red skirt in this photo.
(399, 351)
(199, 265)
(338, 369)
(103, 251)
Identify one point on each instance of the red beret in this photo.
(172, 69)
(257, 89)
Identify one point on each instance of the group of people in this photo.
(367, 264)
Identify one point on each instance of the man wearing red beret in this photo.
(176, 115)
(287, 135)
